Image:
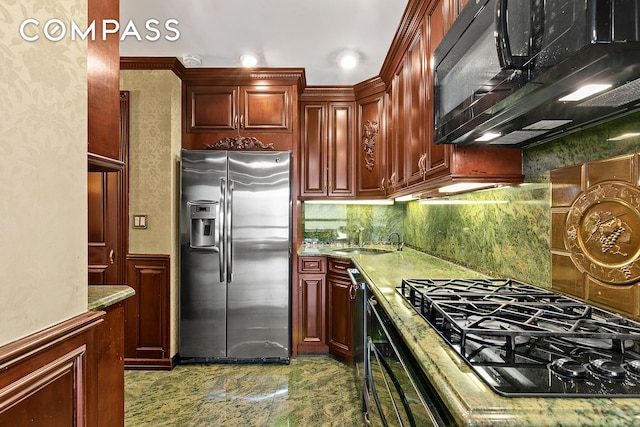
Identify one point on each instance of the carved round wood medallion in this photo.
(602, 232)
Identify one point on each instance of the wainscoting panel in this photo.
(49, 378)
(147, 313)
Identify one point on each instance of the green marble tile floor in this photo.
(313, 390)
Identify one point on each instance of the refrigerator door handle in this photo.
(229, 235)
(220, 231)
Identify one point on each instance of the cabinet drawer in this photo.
(339, 266)
(312, 264)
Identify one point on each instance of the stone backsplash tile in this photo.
(341, 223)
(503, 232)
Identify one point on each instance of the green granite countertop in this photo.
(102, 296)
(470, 400)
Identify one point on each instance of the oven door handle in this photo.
(366, 402)
(369, 376)
(396, 384)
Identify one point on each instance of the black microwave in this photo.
(507, 73)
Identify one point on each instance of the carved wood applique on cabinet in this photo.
(595, 229)
(371, 141)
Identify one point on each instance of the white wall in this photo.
(43, 179)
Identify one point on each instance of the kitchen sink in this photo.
(361, 251)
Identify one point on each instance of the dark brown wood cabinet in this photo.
(103, 90)
(311, 325)
(415, 165)
(397, 148)
(416, 118)
(327, 153)
(324, 307)
(110, 367)
(239, 109)
(340, 306)
(435, 159)
(147, 313)
(371, 144)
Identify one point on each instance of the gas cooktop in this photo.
(526, 341)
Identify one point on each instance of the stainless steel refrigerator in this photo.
(235, 256)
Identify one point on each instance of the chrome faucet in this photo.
(400, 242)
(360, 230)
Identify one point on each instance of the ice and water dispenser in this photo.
(203, 233)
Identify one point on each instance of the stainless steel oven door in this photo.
(393, 393)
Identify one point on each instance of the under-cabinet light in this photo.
(624, 136)
(350, 202)
(465, 186)
(585, 92)
(447, 201)
(406, 198)
(488, 136)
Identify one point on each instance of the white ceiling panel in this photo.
(283, 33)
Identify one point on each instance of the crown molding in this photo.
(328, 93)
(152, 63)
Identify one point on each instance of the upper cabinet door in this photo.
(371, 154)
(398, 121)
(266, 108)
(436, 160)
(313, 150)
(212, 108)
(341, 150)
(417, 128)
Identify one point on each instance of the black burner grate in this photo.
(502, 325)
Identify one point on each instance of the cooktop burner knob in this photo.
(634, 367)
(607, 368)
(568, 368)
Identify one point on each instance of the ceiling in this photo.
(305, 34)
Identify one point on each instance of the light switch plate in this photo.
(140, 221)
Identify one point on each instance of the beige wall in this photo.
(154, 154)
(43, 178)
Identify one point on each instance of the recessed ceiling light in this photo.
(348, 59)
(248, 60)
(585, 92)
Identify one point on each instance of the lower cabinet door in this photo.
(311, 314)
(340, 312)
